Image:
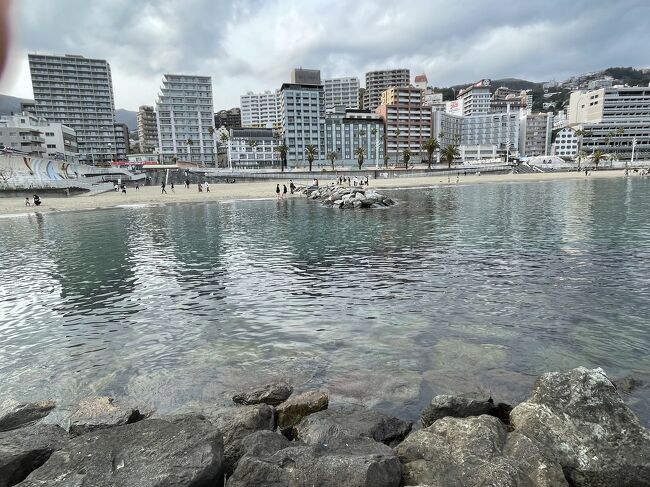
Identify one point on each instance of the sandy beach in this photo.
(151, 195)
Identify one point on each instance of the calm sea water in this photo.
(456, 289)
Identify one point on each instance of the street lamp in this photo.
(633, 147)
(110, 151)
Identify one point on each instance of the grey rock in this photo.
(24, 450)
(332, 427)
(361, 463)
(388, 201)
(627, 384)
(291, 412)
(272, 394)
(456, 406)
(95, 413)
(357, 204)
(583, 424)
(150, 453)
(262, 444)
(236, 423)
(14, 414)
(473, 452)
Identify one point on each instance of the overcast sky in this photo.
(251, 45)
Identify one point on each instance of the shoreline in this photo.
(149, 196)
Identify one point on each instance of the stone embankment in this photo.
(347, 197)
(574, 430)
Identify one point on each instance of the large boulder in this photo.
(235, 423)
(331, 427)
(95, 413)
(272, 394)
(14, 414)
(583, 424)
(361, 463)
(151, 453)
(24, 450)
(291, 412)
(262, 444)
(473, 452)
(461, 406)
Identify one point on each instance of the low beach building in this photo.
(253, 148)
(38, 137)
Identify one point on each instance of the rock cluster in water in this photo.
(574, 430)
(347, 197)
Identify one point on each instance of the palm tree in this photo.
(373, 132)
(406, 154)
(224, 140)
(282, 149)
(360, 152)
(311, 152)
(580, 158)
(430, 146)
(332, 157)
(449, 153)
(189, 142)
(596, 157)
(386, 159)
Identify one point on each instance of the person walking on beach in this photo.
(277, 190)
(137, 186)
(292, 186)
(123, 188)
(172, 187)
(162, 188)
(207, 187)
(284, 190)
(27, 203)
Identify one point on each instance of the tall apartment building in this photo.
(302, 106)
(261, 110)
(616, 119)
(122, 141)
(147, 130)
(379, 81)
(185, 115)
(341, 92)
(475, 99)
(231, 119)
(407, 121)
(78, 92)
(446, 128)
(347, 129)
(58, 141)
(535, 134)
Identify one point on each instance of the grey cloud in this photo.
(252, 44)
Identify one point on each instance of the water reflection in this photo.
(457, 288)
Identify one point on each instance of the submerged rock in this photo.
(628, 384)
(462, 406)
(473, 452)
(14, 414)
(272, 394)
(360, 463)
(150, 453)
(582, 423)
(24, 450)
(291, 412)
(102, 412)
(331, 427)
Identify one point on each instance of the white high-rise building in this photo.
(78, 92)
(185, 114)
(342, 92)
(260, 110)
(476, 98)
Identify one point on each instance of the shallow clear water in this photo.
(456, 289)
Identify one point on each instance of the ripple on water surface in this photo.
(455, 289)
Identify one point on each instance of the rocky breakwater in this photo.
(346, 197)
(574, 430)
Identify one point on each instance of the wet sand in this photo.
(151, 195)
